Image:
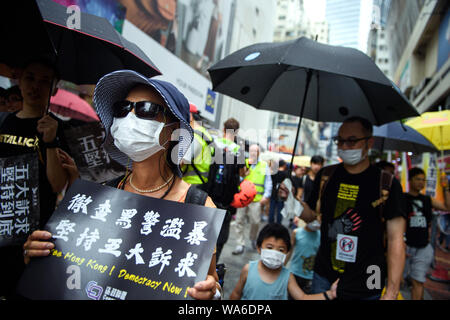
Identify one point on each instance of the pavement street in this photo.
(433, 290)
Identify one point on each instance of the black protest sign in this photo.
(114, 244)
(19, 198)
(93, 162)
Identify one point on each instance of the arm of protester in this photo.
(298, 294)
(395, 256)
(69, 165)
(289, 254)
(237, 291)
(307, 215)
(37, 245)
(56, 174)
(437, 205)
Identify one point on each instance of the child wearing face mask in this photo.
(305, 242)
(267, 278)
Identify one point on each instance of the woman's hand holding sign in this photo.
(37, 245)
(204, 290)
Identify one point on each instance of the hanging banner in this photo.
(404, 174)
(19, 198)
(432, 185)
(93, 162)
(114, 244)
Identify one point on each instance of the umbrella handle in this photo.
(403, 125)
(308, 81)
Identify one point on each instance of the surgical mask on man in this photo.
(351, 156)
(272, 259)
(137, 138)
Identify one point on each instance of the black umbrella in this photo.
(43, 28)
(400, 137)
(309, 79)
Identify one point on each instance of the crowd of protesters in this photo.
(347, 239)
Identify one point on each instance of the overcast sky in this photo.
(315, 9)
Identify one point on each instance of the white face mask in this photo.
(351, 156)
(272, 259)
(314, 225)
(137, 138)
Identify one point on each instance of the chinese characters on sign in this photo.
(19, 198)
(93, 162)
(140, 247)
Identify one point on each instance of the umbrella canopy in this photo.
(435, 126)
(68, 104)
(400, 137)
(313, 80)
(42, 28)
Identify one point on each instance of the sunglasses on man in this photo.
(143, 109)
(351, 142)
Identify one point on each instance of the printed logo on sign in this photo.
(93, 290)
(346, 244)
(347, 248)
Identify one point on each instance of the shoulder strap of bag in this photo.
(203, 136)
(385, 187)
(196, 196)
(326, 176)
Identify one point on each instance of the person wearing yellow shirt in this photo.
(259, 174)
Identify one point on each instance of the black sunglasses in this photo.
(349, 142)
(143, 109)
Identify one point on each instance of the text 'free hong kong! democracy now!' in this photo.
(113, 244)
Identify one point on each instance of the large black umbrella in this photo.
(32, 28)
(400, 137)
(309, 79)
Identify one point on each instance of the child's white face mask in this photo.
(272, 259)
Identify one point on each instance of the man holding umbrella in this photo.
(43, 136)
(358, 208)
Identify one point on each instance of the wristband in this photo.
(326, 296)
(54, 144)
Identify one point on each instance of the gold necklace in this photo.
(150, 190)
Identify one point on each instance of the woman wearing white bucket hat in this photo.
(141, 117)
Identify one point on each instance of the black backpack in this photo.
(223, 176)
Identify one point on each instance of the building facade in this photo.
(419, 33)
(377, 43)
(253, 21)
(347, 22)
